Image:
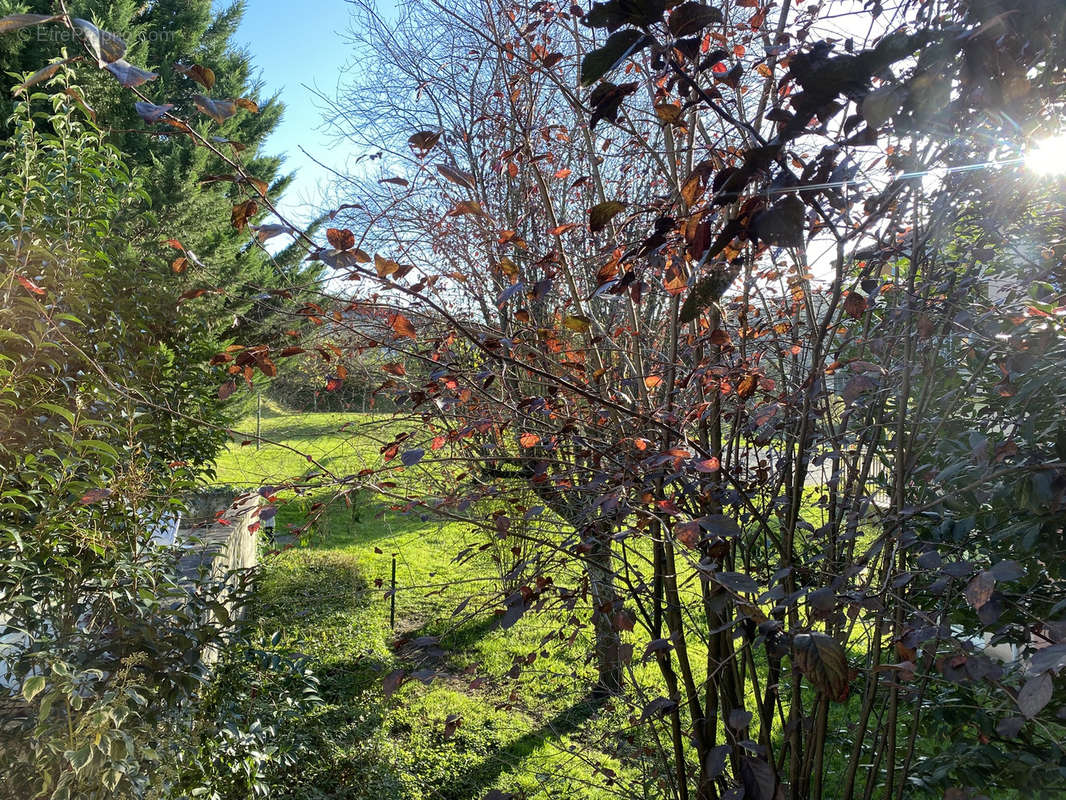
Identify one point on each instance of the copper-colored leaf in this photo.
(857, 386)
(268, 367)
(1035, 694)
(529, 440)
(384, 266)
(403, 327)
(695, 184)
(128, 75)
(619, 46)
(192, 294)
(265, 232)
(465, 207)
(757, 778)
(457, 176)
(150, 112)
(746, 387)
(106, 46)
(393, 681)
(242, 213)
(43, 74)
(207, 179)
(218, 110)
(94, 496)
(340, 238)
(692, 17)
(204, 76)
(14, 22)
(781, 225)
(258, 184)
(423, 141)
(29, 285)
(226, 389)
(394, 368)
(177, 123)
(854, 305)
(668, 112)
(979, 590)
(72, 92)
(688, 533)
(823, 662)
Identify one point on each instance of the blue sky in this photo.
(298, 47)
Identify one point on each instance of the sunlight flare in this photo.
(1048, 156)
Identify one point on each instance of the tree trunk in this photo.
(605, 602)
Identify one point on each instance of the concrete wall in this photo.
(220, 533)
(215, 546)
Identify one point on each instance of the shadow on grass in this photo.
(470, 783)
(457, 637)
(341, 526)
(305, 587)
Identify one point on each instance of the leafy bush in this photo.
(105, 643)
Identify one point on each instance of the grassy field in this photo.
(468, 728)
(488, 708)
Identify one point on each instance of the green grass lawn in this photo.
(469, 727)
(341, 443)
(470, 720)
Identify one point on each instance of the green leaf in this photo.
(32, 687)
(600, 215)
(65, 413)
(617, 48)
(81, 757)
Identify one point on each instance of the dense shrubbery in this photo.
(100, 382)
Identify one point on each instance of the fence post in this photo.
(258, 419)
(392, 604)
